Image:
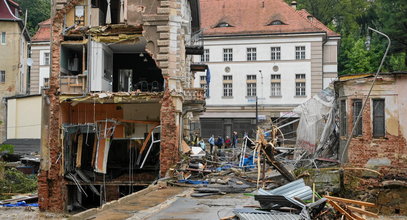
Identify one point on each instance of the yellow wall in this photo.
(24, 117)
(9, 61)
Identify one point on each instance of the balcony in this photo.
(194, 95)
(73, 84)
(195, 46)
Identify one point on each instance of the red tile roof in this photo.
(254, 17)
(6, 11)
(44, 32)
(304, 13)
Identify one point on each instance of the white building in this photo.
(262, 48)
(40, 54)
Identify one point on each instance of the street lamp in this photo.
(257, 108)
(371, 87)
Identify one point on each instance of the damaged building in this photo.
(119, 99)
(379, 139)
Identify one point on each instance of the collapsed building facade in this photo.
(119, 98)
(379, 139)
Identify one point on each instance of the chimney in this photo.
(294, 5)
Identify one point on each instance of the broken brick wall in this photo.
(51, 184)
(386, 154)
(169, 145)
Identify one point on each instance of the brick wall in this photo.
(169, 154)
(364, 148)
(51, 183)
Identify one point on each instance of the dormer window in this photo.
(223, 24)
(276, 22)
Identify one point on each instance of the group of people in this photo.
(221, 143)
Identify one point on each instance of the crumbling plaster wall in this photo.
(387, 154)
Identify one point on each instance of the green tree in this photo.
(38, 10)
(351, 18)
(392, 16)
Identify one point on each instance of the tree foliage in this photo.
(14, 181)
(351, 18)
(38, 11)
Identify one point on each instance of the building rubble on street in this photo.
(120, 129)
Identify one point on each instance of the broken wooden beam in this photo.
(351, 201)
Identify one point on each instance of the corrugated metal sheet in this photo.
(296, 189)
(252, 214)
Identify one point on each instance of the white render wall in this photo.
(288, 66)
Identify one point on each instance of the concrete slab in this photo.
(213, 207)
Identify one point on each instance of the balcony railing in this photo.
(195, 46)
(73, 84)
(194, 94)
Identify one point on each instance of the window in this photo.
(46, 59)
(251, 54)
(2, 76)
(299, 76)
(251, 89)
(223, 24)
(275, 89)
(276, 22)
(378, 118)
(300, 89)
(3, 38)
(228, 54)
(205, 87)
(227, 77)
(275, 76)
(357, 107)
(251, 77)
(342, 113)
(300, 53)
(275, 85)
(300, 84)
(275, 53)
(227, 89)
(227, 86)
(205, 56)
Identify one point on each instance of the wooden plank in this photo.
(361, 211)
(95, 142)
(79, 151)
(369, 204)
(340, 209)
(146, 140)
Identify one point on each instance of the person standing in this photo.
(219, 142)
(228, 142)
(234, 139)
(211, 142)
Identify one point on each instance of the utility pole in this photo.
(257, 112)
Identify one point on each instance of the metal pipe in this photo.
(368, 94)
